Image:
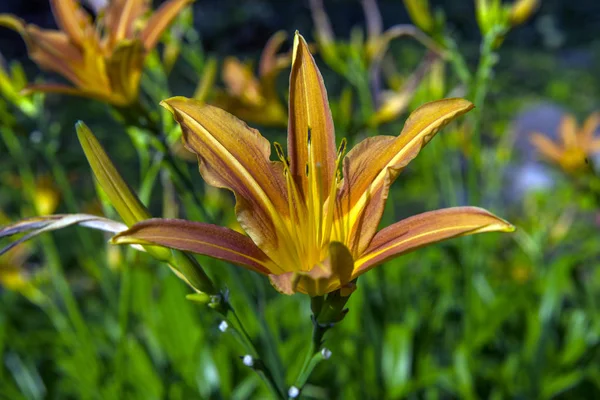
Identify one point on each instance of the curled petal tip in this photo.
(170, 103)
(508, 227)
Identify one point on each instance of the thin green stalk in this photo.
(365, 97)
(313, 355)
(58, 277)
(90, 264)
(458, 62)
(123, 316)
(244, 338)
(478, 92)
(267, 339)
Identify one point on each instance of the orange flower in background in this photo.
(311, 218)
(104, 58)
(575, 146)
(255, 99)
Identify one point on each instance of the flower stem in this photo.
(241, 334)
(313, 355)
(478, 92)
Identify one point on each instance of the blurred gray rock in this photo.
(528, 173)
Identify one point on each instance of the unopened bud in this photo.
(293, 392)
(198, 297)
(522, 10)
(326, 353)
(420, 14)
(248, 360)
(223, 326)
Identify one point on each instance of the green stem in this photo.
(244, 338)
(478, 92)
(28, 181)
(313, 355)
(361, 82)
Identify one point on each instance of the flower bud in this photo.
(420, 14)
(522, 10)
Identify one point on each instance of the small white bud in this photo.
(36, 137)
(223, 326)
(326, 353)
(293, 392)
(248, 360)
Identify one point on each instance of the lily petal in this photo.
(124, 70)
(268, 59)
(589, 129)
(197, 237)
(120, 16)
(568, 131)
(53, 88)
(373, 165)
(594, 146)
(332, 273)
(309, 120)
(72, 19)
(70, 91)
(241, 83)
(427, 228)
(546, 147)
(233, 156)
(37, 225)
(50, 49)
(160, 20)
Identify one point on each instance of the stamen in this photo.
(294, 245)
(319, 203)
(281, 154)
(311, 234)
(341, 151)
(332, 199)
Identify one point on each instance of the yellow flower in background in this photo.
(575, 146)
(46, 197)
(312, 217)
(103, 59)
(255, 99)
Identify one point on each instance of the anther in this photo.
(281, 154)
(342, 148)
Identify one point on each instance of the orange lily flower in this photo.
(309, 229)
(255, 99)
(575, 146)
(103, 60)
